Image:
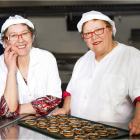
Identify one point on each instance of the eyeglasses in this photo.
(96, 32)
(15, 37)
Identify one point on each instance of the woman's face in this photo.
(100, 44)
(21, 45)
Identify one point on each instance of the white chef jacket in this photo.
(43, 77)
(106, 91)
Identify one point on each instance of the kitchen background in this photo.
(56, 31)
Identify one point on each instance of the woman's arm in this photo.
(10, 92)
(41, 106)
(65, 109)
(26, 108)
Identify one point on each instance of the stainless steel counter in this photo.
(10, 130)
(4, 121)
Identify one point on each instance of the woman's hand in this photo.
(10, 59)
(134, 127)
(59, 111)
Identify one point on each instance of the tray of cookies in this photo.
(70, 127)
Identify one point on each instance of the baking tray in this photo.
(121, 132)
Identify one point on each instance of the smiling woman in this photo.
(105, 84)
(29, 76)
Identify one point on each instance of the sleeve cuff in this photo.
(4, 110)
(65, 94)
(137, 99)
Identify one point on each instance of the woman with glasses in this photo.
(29, 79)
(105, 84)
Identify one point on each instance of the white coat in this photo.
(106, 91)
(43, 77)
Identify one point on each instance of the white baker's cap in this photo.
(95, 15)
(14, 20)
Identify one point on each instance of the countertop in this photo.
(9, 129)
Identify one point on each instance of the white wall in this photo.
(124, 27)
(53, 36)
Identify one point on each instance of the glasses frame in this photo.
(94, 32)
(8, 38)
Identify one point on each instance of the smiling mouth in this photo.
(96, 43)
(20, 47)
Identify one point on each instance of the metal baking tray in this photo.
(121, 132)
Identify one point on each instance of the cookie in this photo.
(64, 127)
(53, 129)
(102, 132)
(75, 124)
(112, 130)
(67, 133)
(98, 126)
(88, 128)
(78, 131)
(81, 137)
(31, 122)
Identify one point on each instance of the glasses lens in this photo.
(99, 31)
(26, 35)
(87, 35)
(13, 37)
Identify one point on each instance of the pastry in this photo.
(52, 118)
(72, 120)
(53, 123)
(41, 120)
(78, 131)
(88, 128)
(30, 122)
(98, 126)
(53, 129)
(93, 135)
(62, 116)
(75, 124)
(85, 123)
(42, 125)
(67, 133)
(102, 132)
(81, 137)
(64, 127)
(112, 130)
(62, 121)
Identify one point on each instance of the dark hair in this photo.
(106, 22)
(29, 28)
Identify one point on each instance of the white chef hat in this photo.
(14, 20)
(95, 15)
